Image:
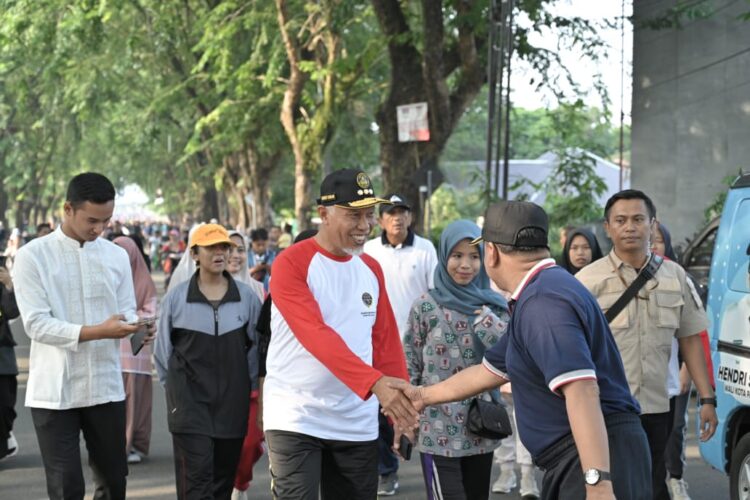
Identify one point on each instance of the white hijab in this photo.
(186, 267)
(244, 274)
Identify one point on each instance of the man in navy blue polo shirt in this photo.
(573, 405)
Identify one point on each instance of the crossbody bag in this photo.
(647, 273)
(486, 419)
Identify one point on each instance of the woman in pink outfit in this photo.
(136, 370)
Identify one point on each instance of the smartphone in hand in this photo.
(136, 341)
(143, 321)
(405, 447)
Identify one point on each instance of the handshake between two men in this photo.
(402, 401)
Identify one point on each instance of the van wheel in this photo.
(739, 472)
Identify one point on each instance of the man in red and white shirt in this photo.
(334, 344)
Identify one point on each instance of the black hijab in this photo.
(596, 251)
(668, 250)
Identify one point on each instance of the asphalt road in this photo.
(22, 476)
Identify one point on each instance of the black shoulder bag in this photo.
(487, 419)
(647, 273)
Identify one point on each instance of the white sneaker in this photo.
(506, 482)
(678, 488)
(239, 494)
(529, 489)
(134, 457)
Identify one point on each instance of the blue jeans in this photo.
(387, 460)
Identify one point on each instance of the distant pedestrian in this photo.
(260, 257)
(285, 239)
(8, 366)
(581, 249)
(75, 292)
(43, 229)
(252, 446)
(408, 263)
(137, 369)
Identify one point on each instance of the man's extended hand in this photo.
(395, 404)
(709, 421)
(413, 392)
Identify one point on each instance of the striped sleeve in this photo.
(296, 303)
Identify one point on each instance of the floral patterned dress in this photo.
(438, 344)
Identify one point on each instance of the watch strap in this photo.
(707, 401)
(603, 476)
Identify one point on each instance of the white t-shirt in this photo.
(333, 335)
(409, 271)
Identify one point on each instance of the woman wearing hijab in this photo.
(450, 327)
(237, 265)
(185, 267)
(581, 249)
(661, 242)
(136, 370)
(252, 447)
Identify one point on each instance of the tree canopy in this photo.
(229, 107)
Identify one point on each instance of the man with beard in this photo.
(334, 344)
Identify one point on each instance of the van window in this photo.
(701, 254)
(737, 274)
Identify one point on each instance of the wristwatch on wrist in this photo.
(707, 401)
(594, 476)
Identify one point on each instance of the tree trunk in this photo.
(423, 76)
(259, 168)
(210, 204)
(3, 203)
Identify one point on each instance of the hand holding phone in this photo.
(143, 321)
(137, 341)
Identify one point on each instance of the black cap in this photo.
(394, 200)
(349, 188)
(503, 221)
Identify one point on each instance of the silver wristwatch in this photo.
(594, 476)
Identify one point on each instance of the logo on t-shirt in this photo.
(367, 299)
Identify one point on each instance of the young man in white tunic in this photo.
(75, 293)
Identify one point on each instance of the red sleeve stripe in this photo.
(494, 370)
(569, 377)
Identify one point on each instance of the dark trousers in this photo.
(628, 460)
(657, 427)
(457, 478)
(674, 455)
(204, 467)
(302, 465)
(8, 391)
(387, 460)
(103, 428)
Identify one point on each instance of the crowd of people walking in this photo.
(337, 352)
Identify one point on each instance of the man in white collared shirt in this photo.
(75, 294)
